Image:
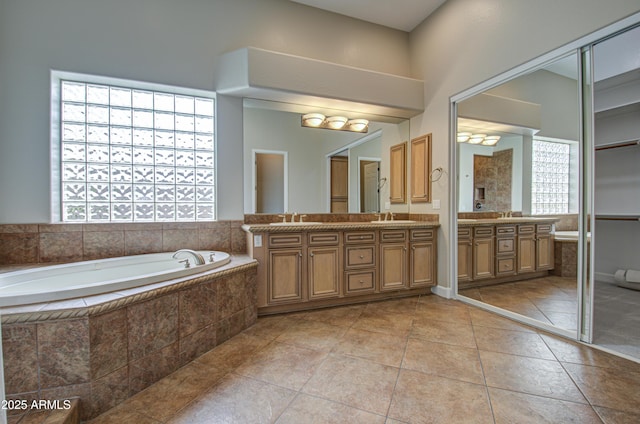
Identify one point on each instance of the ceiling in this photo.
(404, 15)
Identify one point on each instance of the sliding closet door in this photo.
(616, 193)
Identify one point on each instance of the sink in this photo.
(466, 220)
(395, 221)
(519, 218)
(294, 224)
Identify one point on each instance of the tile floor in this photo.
(414, 360)
(553, 300)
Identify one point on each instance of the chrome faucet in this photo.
(388, 216)
(199, 259)
(293, 216)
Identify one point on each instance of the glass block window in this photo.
(550, 178)
(131, 154)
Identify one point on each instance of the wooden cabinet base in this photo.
(342, 301)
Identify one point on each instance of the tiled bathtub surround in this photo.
(107, 348)
(51, 243)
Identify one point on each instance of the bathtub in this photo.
(568, 236)
(80, 279)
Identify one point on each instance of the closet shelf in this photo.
(616, 144)
(617, 217)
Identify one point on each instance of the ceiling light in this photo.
(312, 120)
(476, 138)
(336, 122)
(463, 137)
(491, 140)
(358, 125)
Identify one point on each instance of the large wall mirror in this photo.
(291, 168)
(518, 154)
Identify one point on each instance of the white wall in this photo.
(175, 42)
(466, 42)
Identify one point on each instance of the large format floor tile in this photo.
(414, 360)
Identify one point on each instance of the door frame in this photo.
(359, 178)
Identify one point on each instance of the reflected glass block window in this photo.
(131, 154)
(550, 178)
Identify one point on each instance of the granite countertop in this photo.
(505, 221)
(282, 227)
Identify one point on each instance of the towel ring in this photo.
(440, 171)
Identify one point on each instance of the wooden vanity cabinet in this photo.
(465, 254)
(422, 258)
(285, 268)
(483, 253)
(324, 263)
(393, 259)
(505, 250)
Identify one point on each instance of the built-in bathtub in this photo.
(568, 236)
(146, 320)
(80, 279)
(566, 253)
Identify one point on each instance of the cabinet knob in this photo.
(361, 282)
(361, 256)
(311, 254)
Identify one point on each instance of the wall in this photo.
(513, 32)
(163, 41)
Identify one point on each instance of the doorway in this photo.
(270, 181)
(369, 185)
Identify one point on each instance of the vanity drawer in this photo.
(358, 282)
(393, 236)
(526, 229)
(482, 232)
(324, 239)
(351, 237)
(360, 256)
(543, 228)
(464, 232)
(505, 266)
(285, 240)
(424, 234)
(506, 231)
(506, 245)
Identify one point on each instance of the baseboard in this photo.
(445, 292)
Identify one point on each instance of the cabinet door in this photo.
(398, 175)
(393, 266)
(483, 258)
(544, 252)
(285, 276)
(323, 267)
(465, 260)
(421, 169)
(526, 253)
(422, 264)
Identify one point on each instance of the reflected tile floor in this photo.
(415, 360)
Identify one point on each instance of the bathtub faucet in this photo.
(196, 256)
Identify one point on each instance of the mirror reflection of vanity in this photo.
(507, 190)
(299, 161)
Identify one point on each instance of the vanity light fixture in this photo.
(358, 125)
(476, 138)
(336, 122)
(340, 123)
(491, 140)
(314, 120)
(467, 137)
(463, 137)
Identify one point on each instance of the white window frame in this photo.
(57, 77)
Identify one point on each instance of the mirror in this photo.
(303, 160)
(532, 169)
